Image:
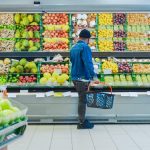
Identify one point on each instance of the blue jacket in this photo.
(81, 59)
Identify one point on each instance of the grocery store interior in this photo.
(38, 100)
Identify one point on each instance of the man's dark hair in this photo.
(85, 34)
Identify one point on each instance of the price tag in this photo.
(67, 93)
(23, 91)
(40, 95)
(139, 84)
(58, 94)
(107, 71)
(74, 94)
(12, 95)
(148, 92)
(125, 94)
(51, 93)
(133, 94)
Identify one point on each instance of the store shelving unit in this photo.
(131, 104)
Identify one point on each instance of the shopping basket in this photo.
(97, 99)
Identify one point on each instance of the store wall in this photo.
(75, 5)
(62, 2)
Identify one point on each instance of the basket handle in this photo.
(102, 83)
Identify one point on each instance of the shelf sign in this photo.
(12, 95)
(67, 93)
(107, 71)
(125, 94)
(38, 95)
(133, 94)
(58, 94)
(148, 92)
(51, 93)
(23, 91)
(73, 94)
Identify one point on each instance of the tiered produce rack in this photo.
(49, 103)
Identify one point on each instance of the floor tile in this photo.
(61, 143)
(42, 138)
(24, 142)
(105, 148)
(128, 148)
(145, 148)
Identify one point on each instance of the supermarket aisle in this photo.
(67, 137)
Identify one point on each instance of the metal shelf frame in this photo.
(67, 54)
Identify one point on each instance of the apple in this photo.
(43, 80)
(65, 76)
(47, 75)
(97, 60)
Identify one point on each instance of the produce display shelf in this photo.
(12, 133)
(72, 89)
(41, 41)
(67, 54)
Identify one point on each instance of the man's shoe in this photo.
(85, 125)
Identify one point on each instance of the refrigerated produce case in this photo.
(114, 28)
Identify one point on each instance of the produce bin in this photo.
(13, 131)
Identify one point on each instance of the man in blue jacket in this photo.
(82, 73)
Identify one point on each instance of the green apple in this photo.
(47, 75)
(43, 80)
(97, 60)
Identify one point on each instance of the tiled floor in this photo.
(67, 137)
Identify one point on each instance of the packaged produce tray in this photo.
(12, 133)
(15, 129)
(21, 116)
